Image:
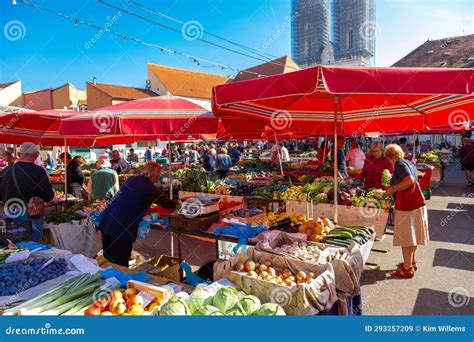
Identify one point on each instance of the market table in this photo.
(178, 231)
(62, 204)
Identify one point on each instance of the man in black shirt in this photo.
(23, 180)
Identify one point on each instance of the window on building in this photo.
(349, 40)
(307, 47)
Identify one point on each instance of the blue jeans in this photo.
(37, 226)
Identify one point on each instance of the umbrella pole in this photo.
(169, 167)
(414, 145)
(325, 153)
(335, 160)
(279, 154)
(65, 171)
(170, 177)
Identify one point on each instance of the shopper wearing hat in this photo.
(23, 181)
(104, 182)
(120, 220)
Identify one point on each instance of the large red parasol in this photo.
(364, 99)
(41, 128)
(169, 116)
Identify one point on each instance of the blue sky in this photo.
(51, 51)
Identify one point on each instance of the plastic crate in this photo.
(425, 180)
(17, 231)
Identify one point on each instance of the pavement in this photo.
(444, 282)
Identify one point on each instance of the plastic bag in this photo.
(242, 231)
(124, 277)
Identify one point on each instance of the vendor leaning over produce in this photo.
(374, 166)
(411, 217)
(23, 181)
(119, 221)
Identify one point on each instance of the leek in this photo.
(88, 290)
(60, 296)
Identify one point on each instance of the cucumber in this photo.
(343, 231)
(336, 242)
(343, 242)
(340, 235)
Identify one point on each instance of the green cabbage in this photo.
(196, 300)
(270, 309)
(208, 300)
(386, 176)
(236, 311)
(174, 307)
(250, 304)
(321, 198)
(207, 310)
(225, 298)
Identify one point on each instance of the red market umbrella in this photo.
(352, 101)
(41, 128)
(162, 115)
(364, 99)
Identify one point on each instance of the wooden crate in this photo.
(258, 217)
(194, 223)
(347, 215)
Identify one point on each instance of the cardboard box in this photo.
(166, 267)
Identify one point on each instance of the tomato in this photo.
(102, 303)
(92, 311)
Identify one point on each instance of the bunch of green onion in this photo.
(65, 299)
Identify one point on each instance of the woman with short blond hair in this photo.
(411, 217)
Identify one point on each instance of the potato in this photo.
(301, 275)
(249, 266)
(286, 273)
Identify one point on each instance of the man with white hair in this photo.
(22, 181)
(104, 182)
(209, 161)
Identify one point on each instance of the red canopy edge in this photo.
(348, 80)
